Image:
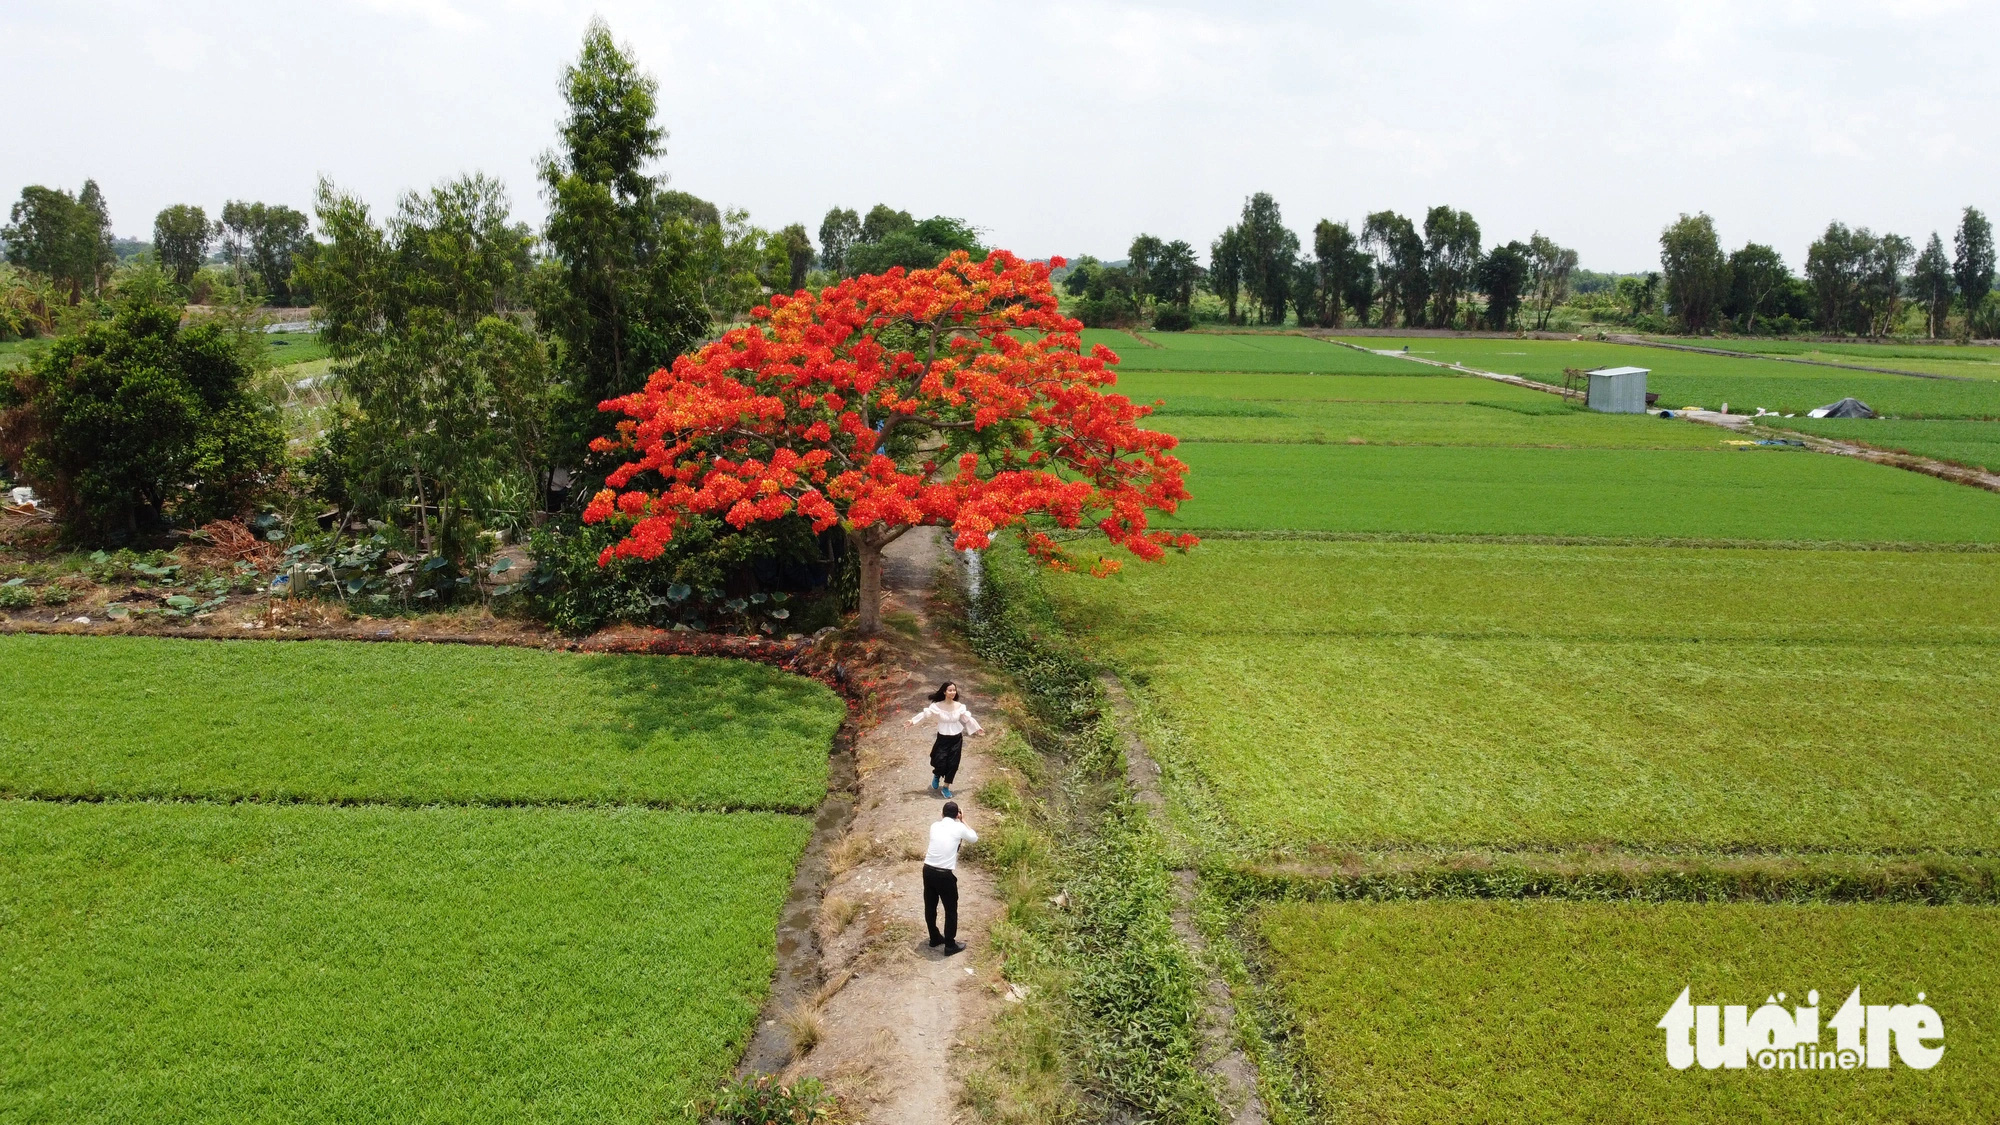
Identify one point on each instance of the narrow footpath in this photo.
(891, 1012)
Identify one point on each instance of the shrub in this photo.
(136, 424)
(16, 595)
(1171, 319)
(762, 1101)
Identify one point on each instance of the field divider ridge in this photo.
(1641, 341)
(1511, 380)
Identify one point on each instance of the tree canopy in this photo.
(956, 396)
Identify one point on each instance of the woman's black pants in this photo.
(945, 751)
(941, 886)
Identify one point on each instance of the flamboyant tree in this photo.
(955, 397)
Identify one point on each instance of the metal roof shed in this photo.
(1618, 390)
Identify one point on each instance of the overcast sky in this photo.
(1057, 128)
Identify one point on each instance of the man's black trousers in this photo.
(941, 886)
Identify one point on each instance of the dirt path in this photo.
(891, 1009)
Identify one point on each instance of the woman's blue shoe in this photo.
(947, 791)
(934, 785)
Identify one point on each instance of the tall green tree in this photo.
(623, 298)
(1931, 284)
(1834, 265)
(1549, 270)
(1175, 273)
(1503, 276)
(883, 221)
(1225, 269)
(1338, 255)
(798, 249)
(65, 238)
(263, 242)
(1269, 251)
(452, 394)
(1881, 291)
(1451, 250)
(1141, 257)
(1758, 278)
(181, 238)
(136, 424)
(1696, 273)
(1972, 264)
(840, 229)
(888, 240)
(1400, 251)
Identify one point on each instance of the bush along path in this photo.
(1106, 1014)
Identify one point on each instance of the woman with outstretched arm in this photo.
(954, 722)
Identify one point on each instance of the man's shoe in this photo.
(936, 941)
(954, 947)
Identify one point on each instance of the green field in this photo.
(1695, 379)
(1414, 384)
(1215, 351)
(1445, 694)
(406, 724)
(1760, 494)
(1967, 443)
(286, 348)
(1544, 422)
(240, 963)
(1974, 362)
(1496, 1012)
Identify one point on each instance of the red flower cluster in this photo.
(956, 396)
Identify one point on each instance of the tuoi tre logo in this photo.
(1777, 1039)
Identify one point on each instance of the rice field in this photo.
(1967, 443)
(1491, 1012)
(299, 963)
(1753, 494)
(333, 721)
(1210, 351)
(1404, 694)
(328, 881)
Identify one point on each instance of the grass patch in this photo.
(255, 963)
(1968, 443)
(1431, 1011)
(286, 348)
(1695, 379)
(413, 724)
(1757, 494)
(1410, 384)
(1550, 424)
(1361, 694)
(1217, 351)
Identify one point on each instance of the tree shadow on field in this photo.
(682, 699)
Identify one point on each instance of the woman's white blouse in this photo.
(952, 718)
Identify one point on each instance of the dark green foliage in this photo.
(451, 393)
(1972, 264)
(137, 423)
(1758, 283)
(840, 230)
(1269, 251)
(1451, 250)
(1502, 276)
(1225, 269)
(1172, 319)
(181, 237)
(264, 242)
(622, 297)
(891, 238)
(65, 238)
(1697, 276)
(708, 578)
(1399, 249)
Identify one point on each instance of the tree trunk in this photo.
(869, 618)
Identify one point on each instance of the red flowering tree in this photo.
(956, 396)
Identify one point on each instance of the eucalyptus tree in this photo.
(1399, 252)
(623, 296)
(181, 238)
(1757, 277)
(1932, 285)
(1696, 273)
(1339, 257)
(1549, 270)
(65, 238)
(1503, 276)
(1269, 250)
(1225, 268)
(1451, 250)
(1972, 264)
(839, 230)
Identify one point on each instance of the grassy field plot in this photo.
(251, 963)
(1694, 379)
(1215, 351)
(1967, 443)
(1648, 493)
(410, 724)
(1415, 694)
(1549, 424)
(1415, 384)
(286, 348)
(1943, 359)
(1500, 1012)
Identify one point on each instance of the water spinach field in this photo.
(327, 881)
(1492, 724)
